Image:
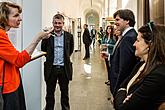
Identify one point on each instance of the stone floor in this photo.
(87, 89)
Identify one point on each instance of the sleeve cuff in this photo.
(109, 57)
(27, 55)
(122, 89)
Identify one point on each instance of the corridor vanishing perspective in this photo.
(87, 89)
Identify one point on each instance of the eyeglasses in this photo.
(150, 24)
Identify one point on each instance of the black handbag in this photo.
(1, 89)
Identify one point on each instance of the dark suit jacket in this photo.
(47, 45)
(122, 60)
(147, 94)
(86, 37)
(93, 33)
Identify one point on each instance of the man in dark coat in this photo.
(93, 35)
(87, 41)
(58, 66)
(123, 57)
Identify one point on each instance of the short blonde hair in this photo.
(5, 11)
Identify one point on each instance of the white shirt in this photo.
(126, 30)
(135, 76)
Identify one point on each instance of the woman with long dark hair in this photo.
(107, 44)
(144, 89)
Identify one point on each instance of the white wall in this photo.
(51, 7)
(32, 21)
(31, 73)
(140, 13)
(131, 4)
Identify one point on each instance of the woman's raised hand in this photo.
(45, 34)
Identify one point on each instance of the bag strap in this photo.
(3, 77)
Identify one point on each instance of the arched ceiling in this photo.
(87, 5)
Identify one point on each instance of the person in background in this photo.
(101, 31)
(117, 35)
(144, 89)
(93, 35)
(100, 35)
(11, 60)
(123, 58)
(87, 41)
(58, 66)
(107, 44)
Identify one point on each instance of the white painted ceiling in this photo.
(91, 6)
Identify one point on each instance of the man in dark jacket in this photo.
(123, 57)
(93, 35)
(87, 41)
(58, 66)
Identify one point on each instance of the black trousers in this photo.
(15, 100)
(93, 39)
(107, 67)
(87, 54)
(57, 74)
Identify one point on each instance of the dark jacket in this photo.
(47, 45)
(86, 37)
(147, 94)
(122, 60)
(93, 33)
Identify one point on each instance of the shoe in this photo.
(84, 58)
(87, 57)
(109, 98)
(107, 82)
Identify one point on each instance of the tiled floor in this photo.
(87, 89)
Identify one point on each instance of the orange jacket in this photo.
(13, 61)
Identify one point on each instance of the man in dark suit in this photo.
(123, 58)
(58, 66)
(93, 35)
(87, 41)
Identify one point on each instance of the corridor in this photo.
(87, 89)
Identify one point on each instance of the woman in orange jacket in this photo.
(11, 59)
